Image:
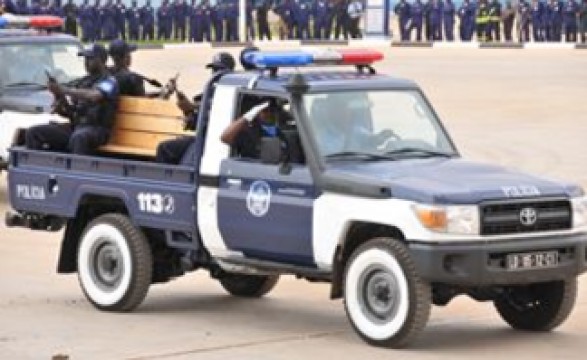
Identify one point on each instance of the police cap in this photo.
(94, 51)
(222, 61)
(119, 48)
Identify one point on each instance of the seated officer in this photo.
(172, 151)
(91, 109)
(245, 134)
(129, 83)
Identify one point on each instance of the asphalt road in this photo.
(519, 108)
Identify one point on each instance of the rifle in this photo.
(169, 88)
(61, 104)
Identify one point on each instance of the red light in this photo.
(360, 56)
(45, 21)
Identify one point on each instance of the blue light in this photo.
(3, 22)
(264, 59)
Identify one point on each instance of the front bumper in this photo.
(482, 263)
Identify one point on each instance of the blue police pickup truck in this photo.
(361, 188)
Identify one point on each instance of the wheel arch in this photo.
(90, 206)
(357, 233)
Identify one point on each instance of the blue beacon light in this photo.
(278, 59)
(3, 22)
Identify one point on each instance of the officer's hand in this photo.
(255, 110)
(185, 105)
(54, 87)
(386, 134)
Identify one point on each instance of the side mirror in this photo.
(271, 152)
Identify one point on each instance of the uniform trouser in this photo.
(303, 30)
(554, 32)
(219, 30)
(133, 32)
(508, 27)
(87, 35)
(172, 151)
(264, 31)
(354, 28)
(232, 29)
(583, 32)
(283, 29)
(418, 27)
(341, 27)
(160, 31)
(328, 25)
(449, 32)
(481, 31)
(436, 32)
(493, 31)
(319, 29)
(524, 32)
(570, 33)
(82, 140)
(403, 31)
(179, 31)
(537, 32)
(148, 32)
(120, 30)
(71, 27)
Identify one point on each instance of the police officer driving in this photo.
(90, 104)
(129, 83)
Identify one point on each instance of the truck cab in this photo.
(26, 57)
(361, 187)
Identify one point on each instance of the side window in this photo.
(272, 137)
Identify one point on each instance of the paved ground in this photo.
(522, 108)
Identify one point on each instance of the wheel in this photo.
(253, 286)
(537, 307)
(114, 263)
(385, 300)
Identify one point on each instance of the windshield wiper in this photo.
(25, 83)
(355, 155)
(420, 151)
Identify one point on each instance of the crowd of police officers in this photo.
(203, 20)
(490, 20)
(418, 20)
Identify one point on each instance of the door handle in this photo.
(234, 182)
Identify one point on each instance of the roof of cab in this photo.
(317, 81)
(34, 36)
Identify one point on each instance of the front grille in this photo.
(516, 216)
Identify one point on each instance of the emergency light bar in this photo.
(276, 59)
(37, 21)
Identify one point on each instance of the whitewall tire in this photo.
(114, 263)
(385, 300)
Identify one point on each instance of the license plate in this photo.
(533, 260)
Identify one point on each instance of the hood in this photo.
(448, 181)
(26, 100)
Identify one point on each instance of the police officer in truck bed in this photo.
(129, 83)
(90, 104)
(172, 151)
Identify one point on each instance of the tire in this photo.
(537, 307)
(251, 286)
(385, 300)
(114, 263)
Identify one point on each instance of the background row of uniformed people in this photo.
(201, 20)
(492, 20)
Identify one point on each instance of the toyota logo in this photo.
(528, 216)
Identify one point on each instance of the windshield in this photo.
(375, 125)
(26, 64)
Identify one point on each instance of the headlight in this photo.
(452, 219)
(579, 211)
